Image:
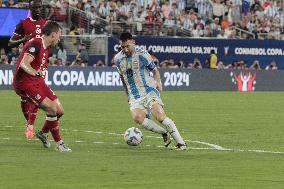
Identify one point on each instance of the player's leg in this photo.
(139, 116)
(33, 109)
(51, 124)
(53, 109)
(25, 108)
(32, 113)
(25, 103)
(160, 115)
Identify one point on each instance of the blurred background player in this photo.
(135, 67)
(25, 30)
(29, 82)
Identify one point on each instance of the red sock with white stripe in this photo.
(32, 113)
(51, 123)
(25, 109)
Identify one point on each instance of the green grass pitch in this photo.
(247, 128)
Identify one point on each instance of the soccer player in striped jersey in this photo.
(142, 83)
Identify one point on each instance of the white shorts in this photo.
(145, 103)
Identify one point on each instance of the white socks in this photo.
(172, 129)
(152, 126)
(59, 142)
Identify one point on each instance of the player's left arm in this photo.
(157, 78)
(151, 66)
(18, 36)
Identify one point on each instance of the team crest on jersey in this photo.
(32, 49)
(135, 64)
(38, 97)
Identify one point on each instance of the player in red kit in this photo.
(25, 30)
(29, 82)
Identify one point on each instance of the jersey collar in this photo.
(31, 19)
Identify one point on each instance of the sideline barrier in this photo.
(76, 78)
(228, 50)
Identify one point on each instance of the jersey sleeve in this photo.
(32, 49)
(117, 64)
(19, 29)
(149, 61)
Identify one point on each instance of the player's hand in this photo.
(38, 74)
(27, 37)
(159, 86)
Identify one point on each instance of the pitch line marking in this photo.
(213, 146)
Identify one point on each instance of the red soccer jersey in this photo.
(36, 49)
(29, 26)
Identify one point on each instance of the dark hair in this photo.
(212, 51)
(125, 36)
(31, 3)
(49, 27)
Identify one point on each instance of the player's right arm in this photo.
(18, 36)
(31, 51)
(124, 85)
(117, 63)
(25, 64)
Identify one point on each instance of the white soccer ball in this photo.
(133, 136)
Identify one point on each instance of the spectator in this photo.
(166, 9)
(3, 57)
(83, 54)
(139, 22)
(271, 66)
(62, 54)
(52, 60)
(13, 54)
(255, 65)
(220, 65)
(99, 63)
(73, 3)
(73, 32)
(212, 60)
(195, 65)
(218, 9)
(222, 35)
(2, 4)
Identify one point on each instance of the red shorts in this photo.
(35, 93)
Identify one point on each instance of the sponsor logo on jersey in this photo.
(38, 97)
(32, 49)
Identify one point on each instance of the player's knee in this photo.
(160, 116)
(138, 118)
(60, 113)
(52, 110)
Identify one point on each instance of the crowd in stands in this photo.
(198, 18)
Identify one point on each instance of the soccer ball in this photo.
(133, 136)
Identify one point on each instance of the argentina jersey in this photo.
(136, 72)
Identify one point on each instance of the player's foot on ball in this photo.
(44, 139)
(29, 132)
(180, 146)
(167, 139)
(62, 147)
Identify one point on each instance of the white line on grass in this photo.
(212, 146)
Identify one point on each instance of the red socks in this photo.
(51, 124)
(32, 113)
(29, 110)
(25, 109)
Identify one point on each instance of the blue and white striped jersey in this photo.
(136, 72)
